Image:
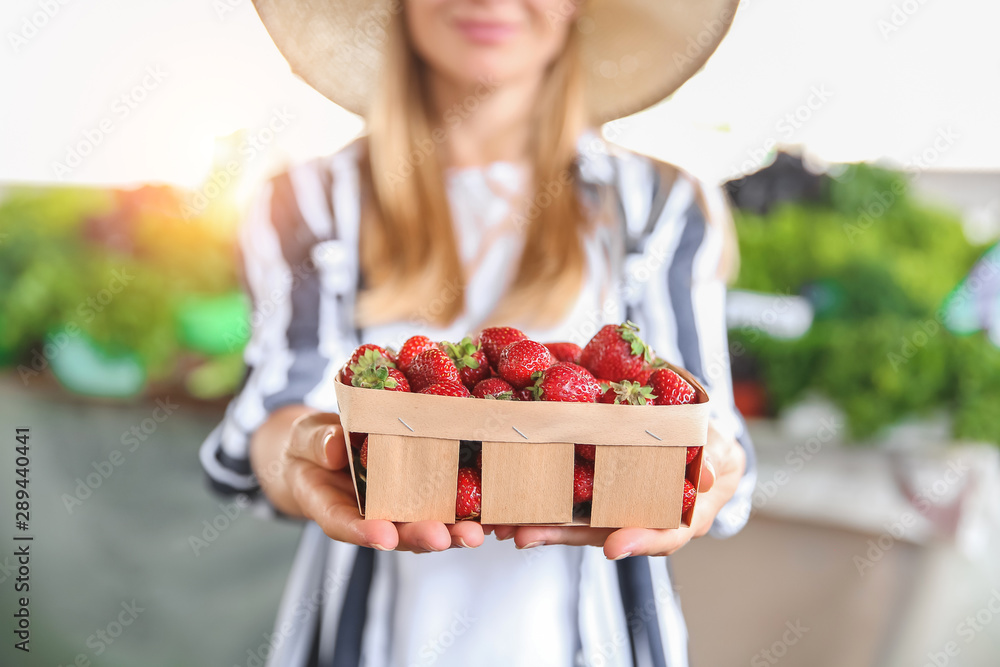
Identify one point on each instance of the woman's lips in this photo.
(486, 32)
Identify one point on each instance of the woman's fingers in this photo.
(707, 480)
(328, 499)
(502, 532)
(468, 534)
(423, 536)
(318, 437)
(645, 542)
(532, 536)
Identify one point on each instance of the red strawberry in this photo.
(670, 388)
(446, 389)
(588, 452)
(647, 370)
(431, 367)
(470, 361)
(357, 439)
(494, 339)
(367, 356)
(616, 353)
(468, 500)
(583, 481)
(524, 394)
(577, 367)
(520, 360)
(563, 383)
(690, 493)
(381, 377)
(565, 351)
(628, 393)
(493, 388)
(692, 452)
(413, 346)
(364, 453)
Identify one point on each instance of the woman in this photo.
(479, 196)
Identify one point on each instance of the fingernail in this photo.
(532, 545)
(462, 543)
(711, 468)
(620, 556)
(380, 547)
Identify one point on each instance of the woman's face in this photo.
(492, 41)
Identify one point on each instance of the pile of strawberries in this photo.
(502, 363)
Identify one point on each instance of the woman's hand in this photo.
(301, 463)
(725, 463)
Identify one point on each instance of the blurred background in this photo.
(858, 141)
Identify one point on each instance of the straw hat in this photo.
(635, 52)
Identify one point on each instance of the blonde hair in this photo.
(409, 257)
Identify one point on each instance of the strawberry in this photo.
(520, 360)
(524, 394)
(565, 351)
(357, 439)
(367, 356)
(469, 496)
(381, 377)
(670, 388)
(616, 353)
(364, 453)
(431, 367)
(692, 452)
(413, 346)
(690, 493)
(588, 452)
(577, 367)
(470, 361)
(494, 339)
(643, 376)
(583, 481)
(628, 393)
(493, 388)
(647, 370)
(564, 383)
(446, 389)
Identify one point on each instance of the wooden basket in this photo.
(528, 454)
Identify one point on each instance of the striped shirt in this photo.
(656, 263)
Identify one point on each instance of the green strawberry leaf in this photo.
(629, 333)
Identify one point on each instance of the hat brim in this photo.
(635, 52)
